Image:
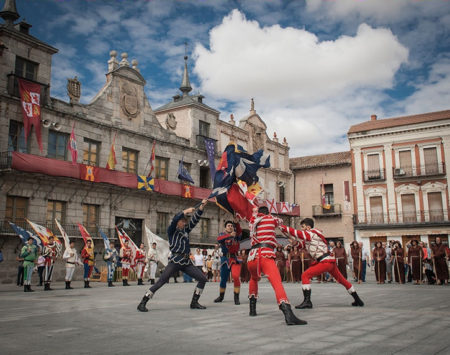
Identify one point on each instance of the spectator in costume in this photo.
(379, 257)
(341, 258)
(439, 261)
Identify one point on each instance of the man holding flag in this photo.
(179, 260)
(71, 257)
(125, 259)
(88, 260)
(50, 252)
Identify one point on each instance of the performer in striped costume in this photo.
(262, 259)
(178, 233)
(314, 241)
(140, 262)
(49, 254)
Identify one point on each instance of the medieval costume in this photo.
(245, 275)
(87, 254)
(316, 244)
(152, 258)
(261, 259)
(341, 259)
(125, 259)
(229, 261)
(296, 264)
(140, 264)
(306, 259)
(280, 261)
(415, 258)
(439, 261)
(50, 252)
(29, 253)
(379, 257)
(356, 252)
(398, 263)
(110, 256)
(71, 258)
(179, 260)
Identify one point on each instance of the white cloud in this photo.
(288, 65)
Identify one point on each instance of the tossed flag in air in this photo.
(25, 235)
(183, 174)
(63, 234)
(162, 245)
(105, 239)
(145, 183)
(236, 164)
(85, 234)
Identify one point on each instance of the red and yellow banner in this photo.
(30, 97)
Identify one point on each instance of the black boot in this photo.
(194, 302)
(252, 312)
(152, 281)
(140, 282)
(70, 287)
(67, 285)
(126, 282)
(289, 316)
(47, 287)
(86, 284)
(141, 306)
(306, 301)
(220, 298)
(110, 284)
(29, 289)
(236, 298)
(25, 288)
(358, 301)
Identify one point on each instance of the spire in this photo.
(9, 12)
(252, 106)
(185, 84)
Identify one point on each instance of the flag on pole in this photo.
(111, 163)
(211, 151)
(122, 236)
(105, 239)
(44, 234)
(183, 174)
(25, 235)
(63, 234)
(162, 245)
(73, 145)
(30, 97)
(85, 234)
(152, 159)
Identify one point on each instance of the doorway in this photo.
(131, 226)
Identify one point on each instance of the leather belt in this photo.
(263, 245)
(320, 258)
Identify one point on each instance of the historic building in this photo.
(400, 178)
(44, 184)
(322, 185)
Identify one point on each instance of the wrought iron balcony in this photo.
(5, 160)
(374, 175)
(201, 142)
(320, 211)
(414, 217)
(425, 170)
(13, 88)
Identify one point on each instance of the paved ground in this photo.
(397, 319)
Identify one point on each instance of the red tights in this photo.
(320, 268)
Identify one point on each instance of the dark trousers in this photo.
(363, 271)
(171, 268)
(41, 274)
(20, 271)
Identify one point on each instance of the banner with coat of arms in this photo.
(30, 97)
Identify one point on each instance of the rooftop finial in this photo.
(252, 106)
(185, 84)
(9, 13)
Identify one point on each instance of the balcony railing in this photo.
(417, 217)
(374, 175)
(13, 88)
(320, 211)
(201, 142)
(71, 229)
(5, 160)
(420, 171)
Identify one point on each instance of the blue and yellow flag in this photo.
(145, 183)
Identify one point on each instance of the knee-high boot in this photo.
(289, 316)
(306, 301)
(358, 301)
(221, 296)
(236, 298)
(195, 298)
(252, 312)
(141, 306)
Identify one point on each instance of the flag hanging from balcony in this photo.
(152, 159)
(30, 97)
(73, 145)
(183, 174)
(323, 197)
(211, 151)
(111, 163)
(25, 235)
(186, 192)
(145, 183)
(89, 173)
(285, 207)
(272, 206)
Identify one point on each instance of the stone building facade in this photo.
(400, 178)
(44, 185)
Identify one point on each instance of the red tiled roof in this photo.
(315, 161)
(399, 121)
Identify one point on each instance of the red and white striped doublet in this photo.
(263, 231)
(314, 242)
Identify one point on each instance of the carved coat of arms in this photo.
(129, 101)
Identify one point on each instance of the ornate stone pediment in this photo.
(129, 100)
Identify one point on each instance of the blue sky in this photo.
(314, 68)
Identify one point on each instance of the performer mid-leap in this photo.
(178, 233)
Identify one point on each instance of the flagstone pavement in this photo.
(397, 319)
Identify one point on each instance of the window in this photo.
(129, 160)
(91, 217)
(376, 209)
(282, 193)
(409, 208)
(16, 210)
(203, 128)
(435, 206)
(16, 137)
(431, 161)
(91, 152)
(204, 177)
(373, 166)
(161, 168)
(204, 228)
(162, 223)
(26, 69)
(405, 163)
(329, 195)
(57, 145)
(56, 209)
